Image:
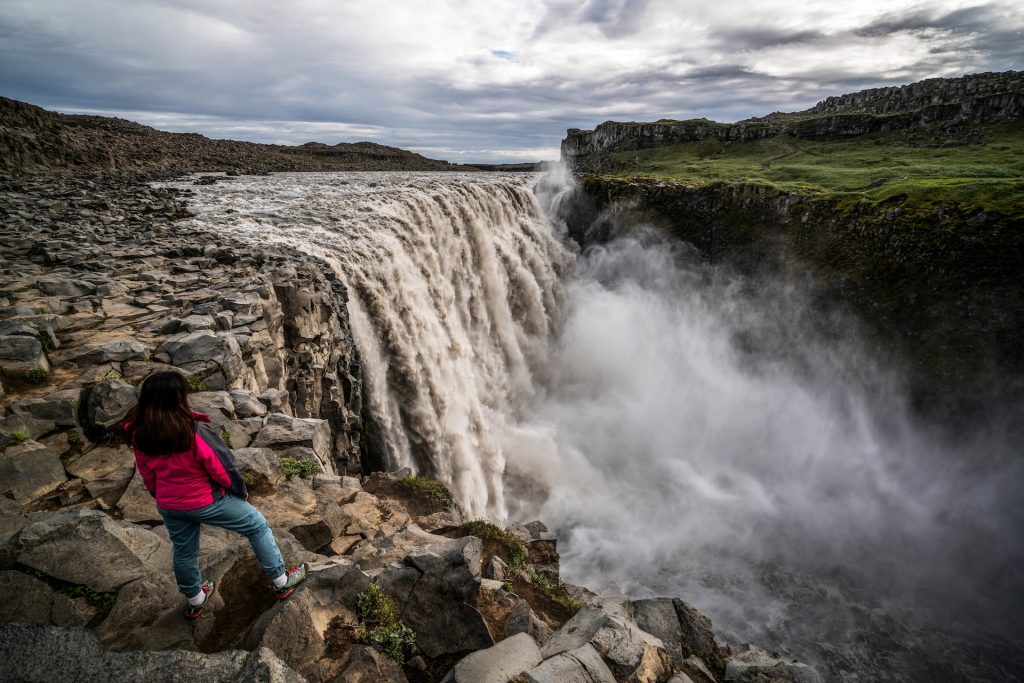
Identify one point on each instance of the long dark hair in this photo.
(162, 422)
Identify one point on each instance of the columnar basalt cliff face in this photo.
(948, 298)
(937, 106)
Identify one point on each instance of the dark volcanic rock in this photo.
(35, 140)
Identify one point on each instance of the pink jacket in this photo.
(186, 480)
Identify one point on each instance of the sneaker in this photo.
(196, 611)
(296, 575)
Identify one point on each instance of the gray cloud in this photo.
(493, 83)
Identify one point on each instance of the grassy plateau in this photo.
(875, 167)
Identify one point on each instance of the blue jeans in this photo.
(228, 513)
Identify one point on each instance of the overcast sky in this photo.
(486, 80)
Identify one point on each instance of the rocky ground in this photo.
(99, 289)
(35, 140)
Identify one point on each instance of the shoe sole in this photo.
(285, 596)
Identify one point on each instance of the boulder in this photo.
(276, 401)
(321, 527)
(440, 607)
(371, 515)
(136, 504)
(684, 630)
(107, 553)
(204, 352)
(194, 322)
(51, 653)
(111, 351)
(21, 354)
(106, 470)
(215, 404)
(281, 431)
(30, 471)
(581, 665)
(751, 664)
(247, 404)
(59, 407)
(27, 425)
(260, 468)
(498, 664)
(609, 626)
(381, 552)
(109, 402)
(496, 569)
(68, 289)
(31, 601)
(522, 619)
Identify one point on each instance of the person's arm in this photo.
(211, 463)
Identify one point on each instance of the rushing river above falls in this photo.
(690, 431)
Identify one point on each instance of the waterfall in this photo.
(453, 282)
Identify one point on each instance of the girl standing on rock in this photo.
(191, 473)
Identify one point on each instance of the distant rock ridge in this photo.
(933, 106)
(34, 140)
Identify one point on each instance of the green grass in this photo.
(432, 489)
(876, 167)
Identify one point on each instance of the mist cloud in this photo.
(486, 82)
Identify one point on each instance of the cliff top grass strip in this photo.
(877, 167)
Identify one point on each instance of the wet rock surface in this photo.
(109, 290)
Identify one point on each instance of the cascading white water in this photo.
(453, 281)
(690, 431)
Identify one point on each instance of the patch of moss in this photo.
(432, 489)
(226, 436)
(19, 436)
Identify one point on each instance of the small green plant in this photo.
(46, 341)
(115, 377)
(381, 626)
(249, 477)
(431, 488)
(226, 436)
(517, 556)
(36, 375)
(19, 436)
(298, 467)
(487, 531)
(195, 384)
(103, 601)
